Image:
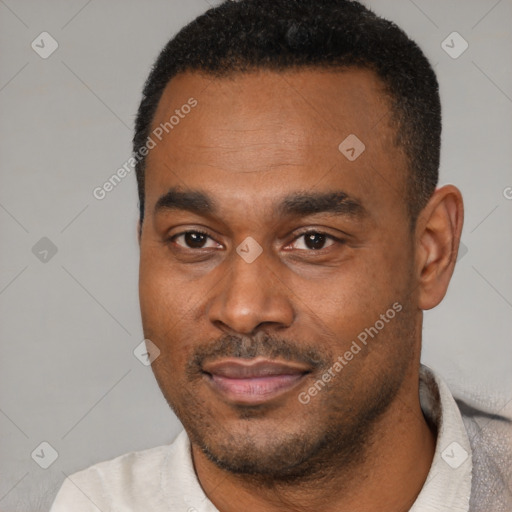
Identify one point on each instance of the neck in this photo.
(387, 477)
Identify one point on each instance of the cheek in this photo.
(167, 305)
(354, 296)
(161, 297)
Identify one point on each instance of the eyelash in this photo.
(173, 237)
(301, 234)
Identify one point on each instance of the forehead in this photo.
(312, 98)
(271, 131)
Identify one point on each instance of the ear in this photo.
(139, 231)
(438, 231)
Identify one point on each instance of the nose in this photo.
(250, 296)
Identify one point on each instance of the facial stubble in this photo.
(334, 432)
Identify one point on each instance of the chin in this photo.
(270, 454)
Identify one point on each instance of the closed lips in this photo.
(249, 370)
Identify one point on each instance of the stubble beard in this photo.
(338, 438)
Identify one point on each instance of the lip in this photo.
(253, 381)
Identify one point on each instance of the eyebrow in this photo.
(335, 202)
(298, 204)
(193, 201)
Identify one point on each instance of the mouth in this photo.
(253, 382)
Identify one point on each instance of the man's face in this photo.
(246, 327)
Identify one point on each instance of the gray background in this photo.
(69, 324)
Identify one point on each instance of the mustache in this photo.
(251, 347)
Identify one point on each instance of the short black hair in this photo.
(247, 35)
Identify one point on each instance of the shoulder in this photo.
(488, 432)
(120, 481)
(490, 436)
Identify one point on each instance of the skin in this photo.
(362, 442)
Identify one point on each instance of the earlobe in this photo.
(438, 235)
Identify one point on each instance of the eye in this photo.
(194, 240)
(314, 240)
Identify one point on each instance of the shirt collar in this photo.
(179, 482)
(448, 483)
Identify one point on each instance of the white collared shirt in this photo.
(163, 479)
(448, 483)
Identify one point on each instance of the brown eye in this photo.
(193, 240)
(313, 240)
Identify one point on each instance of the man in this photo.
(291, 235)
